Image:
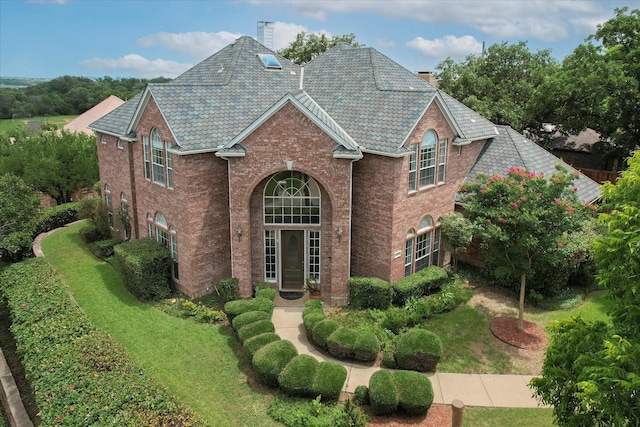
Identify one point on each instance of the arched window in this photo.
(291, 197)
(124, 212)
(157, 157)
(174, 252)
(427, 161)
(107, 201)
(166, 235)
(422, 247)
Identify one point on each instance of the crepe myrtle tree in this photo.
(520, 217)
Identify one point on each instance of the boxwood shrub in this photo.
(310, 320)
(267, 293)
(322, 330)
(415, 392)
(298, 376)
(383, 395)
(369, 292)
(56, 217)
(341, 343)
(144, 266)
(248, 317)
(424, 282)
(418, 350)
(228, 289)
(103, 249)
(255, 343)
(270, 360)
(367, 346)
(236, 307)
(79, 375)
(255, 328)
(329, 380)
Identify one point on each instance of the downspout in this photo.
(134, 199)
(230, 217)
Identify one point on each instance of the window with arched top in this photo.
(107, 201)
(427, 161)
(422, 247)
(159, 230)
(174, 251)
(157, 157)
(291, 197)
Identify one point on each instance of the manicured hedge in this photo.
(56, 217)
(144, 266)
(256, 328)
(346, 343)
(78, 374)
(415, 392)
(267, 293)
(322, 330)
(409, 391)
(254, 344)
(298, 376)
(248, 317)
(383, 395)
(329, 380)
(234, 308)
(369, 292)
(418, 350)
(424, 282)
(270, 360)
(103, 249)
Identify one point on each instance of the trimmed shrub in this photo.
(248, 317)
(395, 319)
(270, 360)
(322, 330)
(433, 277)
(382, 393)
(253, 344)
(313, 304)
(56, 217)
(415, 392)
(144, 266)
(329, 380)
(366, 347)
(298, 376)
(266, 293)
(389, 357)
(369, 292)
(341, 343)
(90, 233)
(254, 329)
(228, 289)
(103, 249)
(361, 395)
(418, 350)
(237, 307)
(310, 320)
(17, 246)
(450, 296)
(424, 282)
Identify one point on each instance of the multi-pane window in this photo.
(174, 252)
(291, 197)
(167, 145)
(270, 255)
(167, 236)
(413, 167)
(147, 157)
(314, 254)
(427, 161)
(157, 157)
(107, 201)
(124, 211)
(422, 248)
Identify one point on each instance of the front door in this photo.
(292, 259)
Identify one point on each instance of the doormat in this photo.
(291, 295)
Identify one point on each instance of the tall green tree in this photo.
(500, 83)
(19, 204)
(591, 371)
(522, 218)
(307, 46)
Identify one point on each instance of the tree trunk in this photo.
(523, 281)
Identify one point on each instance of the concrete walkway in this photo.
(507, 391)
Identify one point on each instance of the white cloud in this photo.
(136, 65)
(199, 45)
(448, 46)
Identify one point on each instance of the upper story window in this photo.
(103, 139)
(158, 162)
(291, 197)
(427, 161)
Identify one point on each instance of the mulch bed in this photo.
(531, 337)
(439, 415)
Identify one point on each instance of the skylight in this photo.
(270, 61)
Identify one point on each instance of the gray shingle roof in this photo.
(510, 148)
(362, 95)
(117, 121)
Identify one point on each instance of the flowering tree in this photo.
(520, 217)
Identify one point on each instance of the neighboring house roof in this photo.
(117, 122)
(511, 149)
(582, 142)
(365, 99)
(82, 122)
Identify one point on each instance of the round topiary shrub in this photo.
(415, 392)
(249, 317)
(341, 342)
(382, 393)
(322, 330)
(367, 346)
(237, 307)
(255, 328)
(310, 320)
(270, 360)
(418, 350)
(298, 376)
(255, 343)
(329, 380)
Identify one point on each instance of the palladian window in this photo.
(422, 247)
(427, 161)
(292, 198)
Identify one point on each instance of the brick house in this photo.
(248, 165)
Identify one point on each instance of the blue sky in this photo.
(139, 38)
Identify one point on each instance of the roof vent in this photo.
(270, 61)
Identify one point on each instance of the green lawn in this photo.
(6, 125)
(492, 417)
(194, 361)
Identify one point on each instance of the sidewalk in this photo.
(507, 391)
